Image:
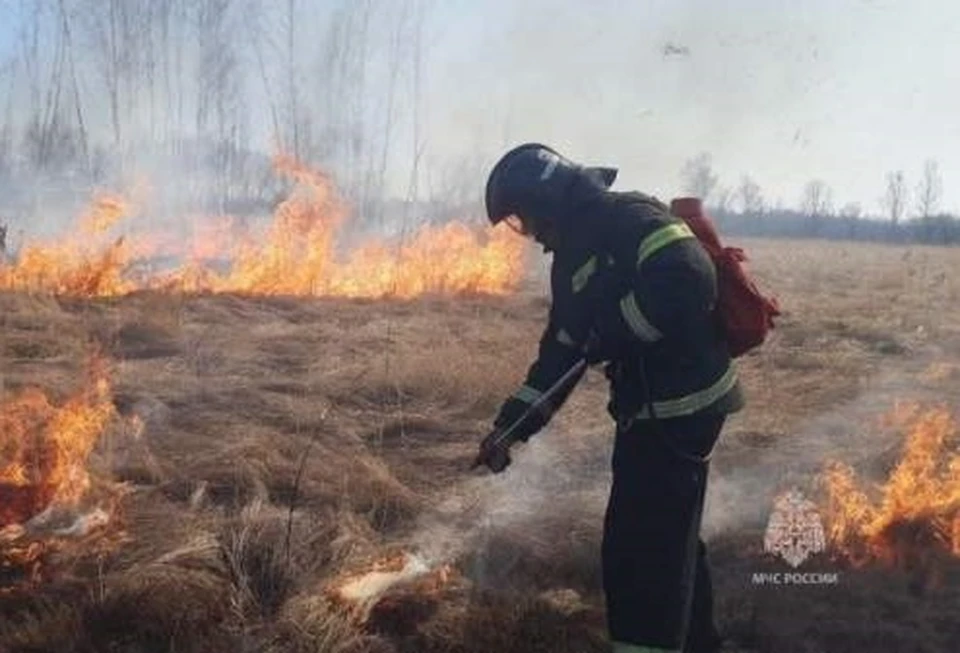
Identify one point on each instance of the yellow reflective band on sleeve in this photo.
(527, 394)
(661, 238)
(565, 338)
(623, 647)
(636, 320)
(582, 276)
(691, 403)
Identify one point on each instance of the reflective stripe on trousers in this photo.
(620, 647)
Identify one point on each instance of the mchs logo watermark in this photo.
(794, 533)
(795, 578)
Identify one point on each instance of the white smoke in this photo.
(850, 433)
(545, 492)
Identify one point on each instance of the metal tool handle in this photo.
(548, 393)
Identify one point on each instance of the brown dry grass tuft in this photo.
(510, 623)
(310, 624)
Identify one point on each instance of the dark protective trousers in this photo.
(655, 572)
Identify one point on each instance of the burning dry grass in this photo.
(917, 514)
(298, 254)
(257, 470)
(87, 265)
(44, 447)
(289, 444)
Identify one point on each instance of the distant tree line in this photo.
(942, 229)
(193, 96)
(743, 211)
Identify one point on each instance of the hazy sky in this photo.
(843, 90)
(785, 91)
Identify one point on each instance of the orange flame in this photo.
(395, 576)
(209, 238)
(105, 211)
(917, 509)
(45, 447)
(75, 268)
(297, 255)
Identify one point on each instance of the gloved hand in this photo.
(594, 350)
(511, 411)
(494, 452)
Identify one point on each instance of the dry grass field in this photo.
(262, 452)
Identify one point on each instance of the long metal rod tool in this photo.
(542, 399)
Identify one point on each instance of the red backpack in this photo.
(745, 314)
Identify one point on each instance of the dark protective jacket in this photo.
(631, 285)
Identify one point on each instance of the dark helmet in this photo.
(535, 182)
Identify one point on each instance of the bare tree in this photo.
(75, 88)
(723, 198)
(341, 93)
(895, 199)
(852, 210)
(456, 183)
(91, 85)
(817, 200)
(413, 184)
(697, 176)
(220, 108)
(398, 40)
(30, 55)
(751, 199)
(929, 189)
(103, 23)
(292, 81)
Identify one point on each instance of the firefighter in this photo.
(633, 289)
